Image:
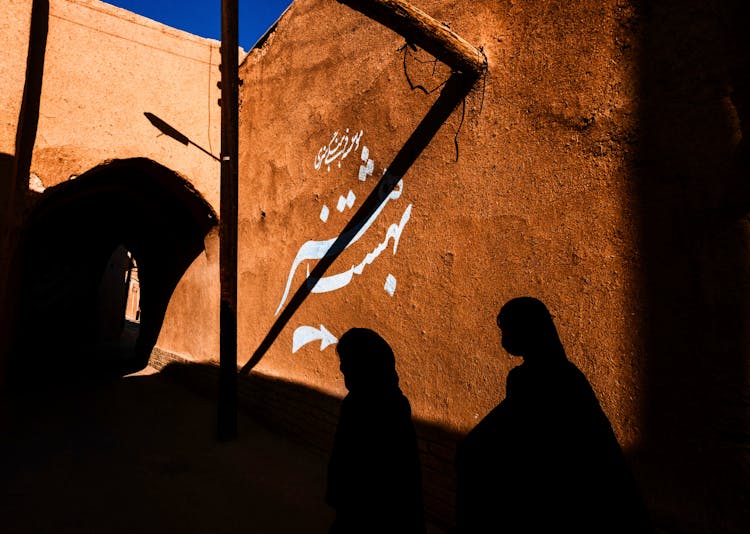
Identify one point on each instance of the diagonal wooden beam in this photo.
(424, 31)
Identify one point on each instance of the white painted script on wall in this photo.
(340, 146)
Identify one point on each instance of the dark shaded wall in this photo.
(309, 416)
(104, 67)
(692, 190)
(66, 246)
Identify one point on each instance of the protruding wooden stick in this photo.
(424, 31)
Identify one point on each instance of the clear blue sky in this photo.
(203, 17)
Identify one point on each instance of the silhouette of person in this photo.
(546, 458)
(374, 474)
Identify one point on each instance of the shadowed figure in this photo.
(546, 458)
(374, 474)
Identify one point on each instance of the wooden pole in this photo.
(14, 177)
(227, 402)
(424, 31)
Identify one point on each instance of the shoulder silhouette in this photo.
(546, 458)
(374, 474)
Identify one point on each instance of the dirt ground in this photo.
(139, 455)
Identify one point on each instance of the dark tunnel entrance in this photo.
(79, 248)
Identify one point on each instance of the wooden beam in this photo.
(424, 31)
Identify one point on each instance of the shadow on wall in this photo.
(455, 89)
(546, 458)
(694, 200)
(66, 247)
(374, 472)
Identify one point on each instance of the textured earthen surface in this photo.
(600, 166)
(537, 203)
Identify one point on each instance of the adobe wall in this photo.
(537, 203)
(596, 170)
(104, 68)
(599, 166)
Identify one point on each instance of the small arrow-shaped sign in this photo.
(307, 334)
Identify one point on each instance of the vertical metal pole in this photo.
(227, 402)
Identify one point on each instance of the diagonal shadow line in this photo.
(453, 93)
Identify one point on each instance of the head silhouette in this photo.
(367, 361)
(528, 330)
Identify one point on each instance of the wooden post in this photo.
(227, 401)
(424, 31)
(14, 177)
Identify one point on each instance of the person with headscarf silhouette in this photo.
(546, 458)
(374, 473)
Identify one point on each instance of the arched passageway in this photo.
(74, 238)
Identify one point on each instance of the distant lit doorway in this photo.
(101, 257)
(118, 304)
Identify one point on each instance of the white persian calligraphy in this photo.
(337, 281)
(338, 148)
(390, 285)
(324, 213)
(346, 202)
(369, 166)
(315, 250)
